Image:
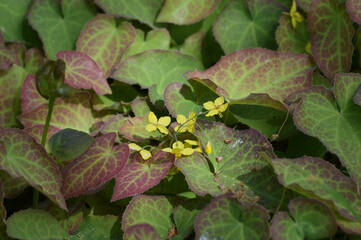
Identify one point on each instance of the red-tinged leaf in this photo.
(30, 97)
(140, 107)
(104, 42)
(33, 60)
(348, 226)
(331, 33)
(354, 10)
(139, 175)
(184, 12)
(11, 186)
(83, 72)
(113, 124)
(69, 223)
(134, 129)
(258, 70)
(141, 231)
(283, 228)
(100, 163)
(193, 45)
(19, 52)
(21, 156)
(6, 57)
(72, 113)
(37, 133)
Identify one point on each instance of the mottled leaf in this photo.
(140, 107)
(21, 156)
(304, 4)
(290, 39)
(354, 10)
(33, 224)
(139, 175)
(246, 24)
(348, 226)
(11, 186)
(83, 72)
(37, 133)
(153, 210)
(284, 228)
(69, 222)
(6, 57)
(331, 33)
(226, 218)
(140, 232)
(104, 42)
(186, 11)
(259, 71)
(314, 177)
(157, 67)
(134, 129)
(72, 113)
(144, 11)
(193, 45)
(100, 163)
(30, 97)
(334, 119)
(59, 23)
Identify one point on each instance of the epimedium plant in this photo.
(169, 119)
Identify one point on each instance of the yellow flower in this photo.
(190, 143)
(178, 149)
(208, 148)
(295, 16)
(145, 153)
(186, 124)
(216, 107)
(155, 124)
(308, 47)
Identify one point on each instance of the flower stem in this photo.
(43, 141)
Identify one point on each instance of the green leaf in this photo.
(186, 11)
(140, 107)
(257, 70)
(284, 228)
(11, 186)
(134, 129)
(34, 224)
(22, 157)
(59, 23)
(354, 10)
(69, 221)
(226, 218)
(193, 45)
(333, 118)
(331, 33)
(141, 231)
(153, 210)
(304, 4)
(98, 228)
(105, 42)
(166, 67)
(68, 144)
(144, 11)
(246, 24)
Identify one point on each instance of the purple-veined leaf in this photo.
(134, 129)
(6, 57)
(247, 24)
(113, 124)
(100, 163)
(290, 39)
(37, 133)
(141, 231)
(331, 33)
(193, 45)
(144, 11)
(34, 224)
(185, 12)
(104, 42)
(354, 10)
(153, 210)
(30, 97)
(155, 39)
(333, 118)
(59, 23)
(258, 70)
(237, 162)
(139, 175)
(72, 113)
(21, 156)
(140, 107)
(19, 52)
(156, 67)
(83, 72)
(283, 228)
(224, 217)
(11, 186)
(314, 177)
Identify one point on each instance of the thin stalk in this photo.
(43, 141)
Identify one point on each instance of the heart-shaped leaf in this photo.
(354, 10)
(193, 45)
(30, 97)
(283, 228)
(141, 231)
(21, 156)
(134, 129)
(184, 12)
(247, 24)
(331, 33)
(69, 221)
(100, 163)
(59, 23)
(104, 42)
(139, 175)
(83, 72)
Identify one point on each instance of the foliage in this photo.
(180, 119)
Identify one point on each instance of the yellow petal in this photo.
(209, 105)
(183, 129)
(298, 17)
(208, 148)
(223, 107)
(293, 8)
(152, 118)
(198, 149)
(294, 22)
(164, 121)
(192, 116)
(151, 127)
(308, 47)
(219, 101)
(134, 146)
(167, 150)
(192, 142)
(212, 113)
(162, 129)
(181, 119)
(145, 154)
(178, 144)
(187, 151)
